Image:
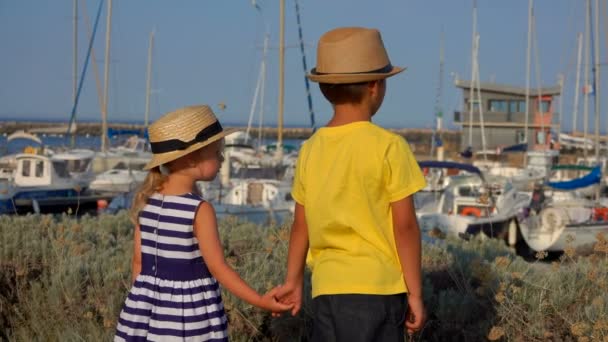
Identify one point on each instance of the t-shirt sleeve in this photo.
(297, 190)
(402, 174)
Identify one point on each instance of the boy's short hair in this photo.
(343, 93)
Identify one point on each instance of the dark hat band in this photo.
(179, 145)
(385, 69)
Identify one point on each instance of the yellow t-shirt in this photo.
(346, 177)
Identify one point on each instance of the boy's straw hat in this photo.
(181, 132)
(352, 55)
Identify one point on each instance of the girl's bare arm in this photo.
(205, 230)
(136, 261)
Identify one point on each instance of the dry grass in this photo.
(65, 279)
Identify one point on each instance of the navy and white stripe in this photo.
(174, 298)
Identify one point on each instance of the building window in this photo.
(39, 168)
(520, 136)
(540, 137)
(517, 106)
(520, 105)
(475, 104)
(497, 106)
(545, 106)
(25, 171)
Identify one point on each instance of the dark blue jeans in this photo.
(359, 318)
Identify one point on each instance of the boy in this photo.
(354, 210)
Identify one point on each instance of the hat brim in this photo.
(353, 78)
(163, 158)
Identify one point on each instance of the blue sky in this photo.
(210, 51)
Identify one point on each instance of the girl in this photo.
(178, 255)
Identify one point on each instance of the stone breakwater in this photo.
(419, 139)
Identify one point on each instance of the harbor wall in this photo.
(419, 139)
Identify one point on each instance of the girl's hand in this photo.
(290, 293)
(269, 302)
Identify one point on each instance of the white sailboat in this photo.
(558, 224)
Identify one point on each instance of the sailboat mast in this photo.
(528, 51)
(478, 89)
(75, 48)
(281, 78)
(104, 113)
(149, 79)
(586, 87)
(596, 81)
(596, 89)
(75, 57)
(438, 105)
(539, 107)
(471, 93)
(266, 41)
(579, 40)
(560, 81)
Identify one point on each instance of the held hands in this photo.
(269, 302)
(290, 294)
(416, 315)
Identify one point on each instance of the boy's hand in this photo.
(416, 315)
(269, 302)
(290, 294)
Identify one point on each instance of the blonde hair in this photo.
(153, 182)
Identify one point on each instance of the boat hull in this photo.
(51, 202)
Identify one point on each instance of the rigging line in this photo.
(570, 28)
(306, 82)
(261, 80)
(95, 69)
(84, 69)
(567, 69)
(254, 102)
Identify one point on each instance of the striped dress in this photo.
(174, 298)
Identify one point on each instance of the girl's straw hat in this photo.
(352, 55)
(181, 132)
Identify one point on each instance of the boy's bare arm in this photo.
(298, 246)
(291, 291)
(407, 240)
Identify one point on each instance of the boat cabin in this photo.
(39, 170)
(134, 145)
(467, 196)
(257, 193)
